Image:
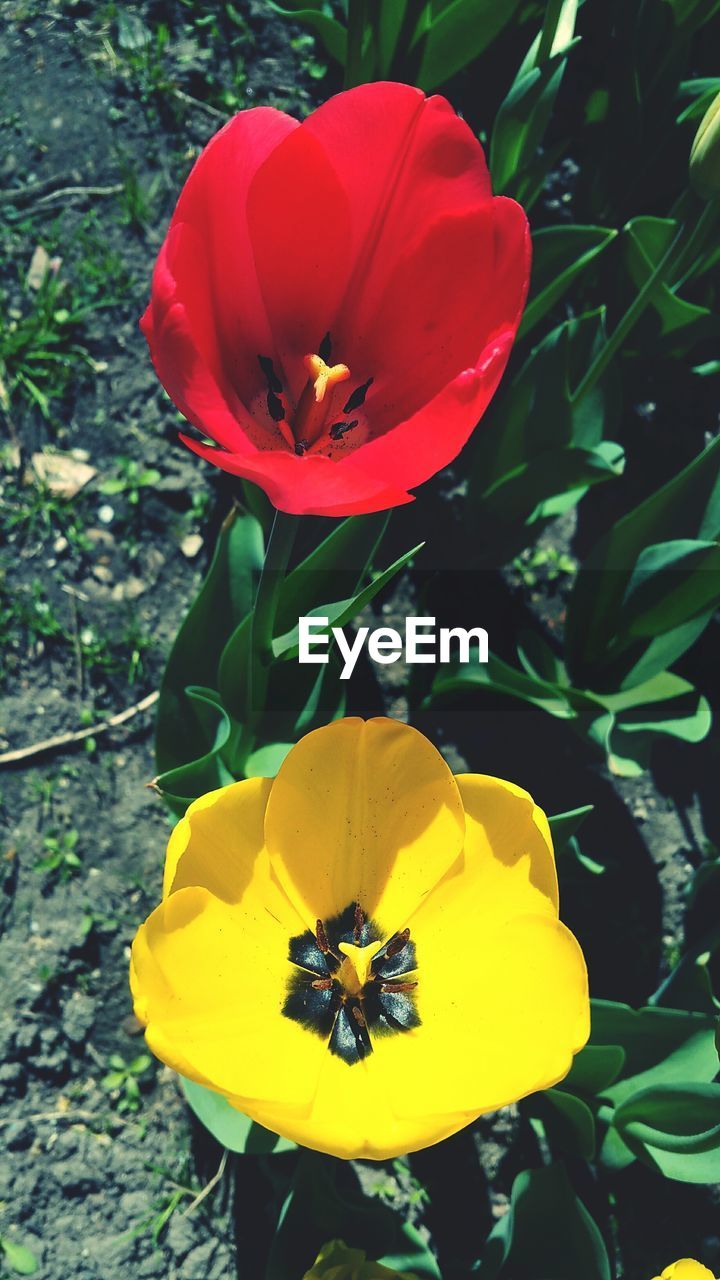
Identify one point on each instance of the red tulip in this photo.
(335, 301)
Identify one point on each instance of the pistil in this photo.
(315, 404)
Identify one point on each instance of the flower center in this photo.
(320, 418)
(315, 403)
(349, 986)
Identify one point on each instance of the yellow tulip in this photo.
(336, 1262)
(364, 954)
(686, 1269)
(705, 153)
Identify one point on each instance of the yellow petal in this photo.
(209, 982)
(502, 1013)
(218, 840)
(508, 850)
(351, 1117)
(686, 1269)
(363, 811)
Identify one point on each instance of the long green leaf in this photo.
(560, 255)
(675, 1129)
(460, 33)
(229, 1127)
(225, 597)
(686, 507)
(547, 1232)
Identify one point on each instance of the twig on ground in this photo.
(202, 106)
(30, 192)
(78, 1116)
(68, 739)
(209, 1186)
(72, 193)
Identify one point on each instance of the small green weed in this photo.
(40, 354)
(123, 1081)
(20, 1259)
(544, 564)
(61, 859)
(129, 480)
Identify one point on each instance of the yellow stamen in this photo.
(324, 375)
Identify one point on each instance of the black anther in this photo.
(358, 396)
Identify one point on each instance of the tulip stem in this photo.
(677, 253)
(272, 577)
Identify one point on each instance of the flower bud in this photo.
(705, 154)
(336, 1262)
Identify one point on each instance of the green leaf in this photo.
(646, 240)
(343, 611)
(334, 570)
(675, 1129)
(687, 507)
(458, 35)
(665, 704)
(523, 117)
(389, 28)
(694, 1059)
(265, 762)
(326, 1202)
(560, 254)
(225, 597)
(113, 1080)
(209, 730)
(499, 677)
(331, 32)
(232, 1129)
(595, 1068)
(340, 562)
(569, 1122)
(19, 1257)
(672, 583)
(518, 506)
(517, 467)
(692, 14)
(547, 1233)
(563, 826)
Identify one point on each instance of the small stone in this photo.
(38, 269)
(129, 590)
(106, 513)
(191, 545)
(60, 544)
(62, 474)
(77, 1017)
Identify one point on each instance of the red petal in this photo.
(192, 386)
(425, 443)
(403, 160)
(431, 321)
(299, 223)
(214, 202)
(308, 486)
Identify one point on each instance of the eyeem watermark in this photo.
(421, 643)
